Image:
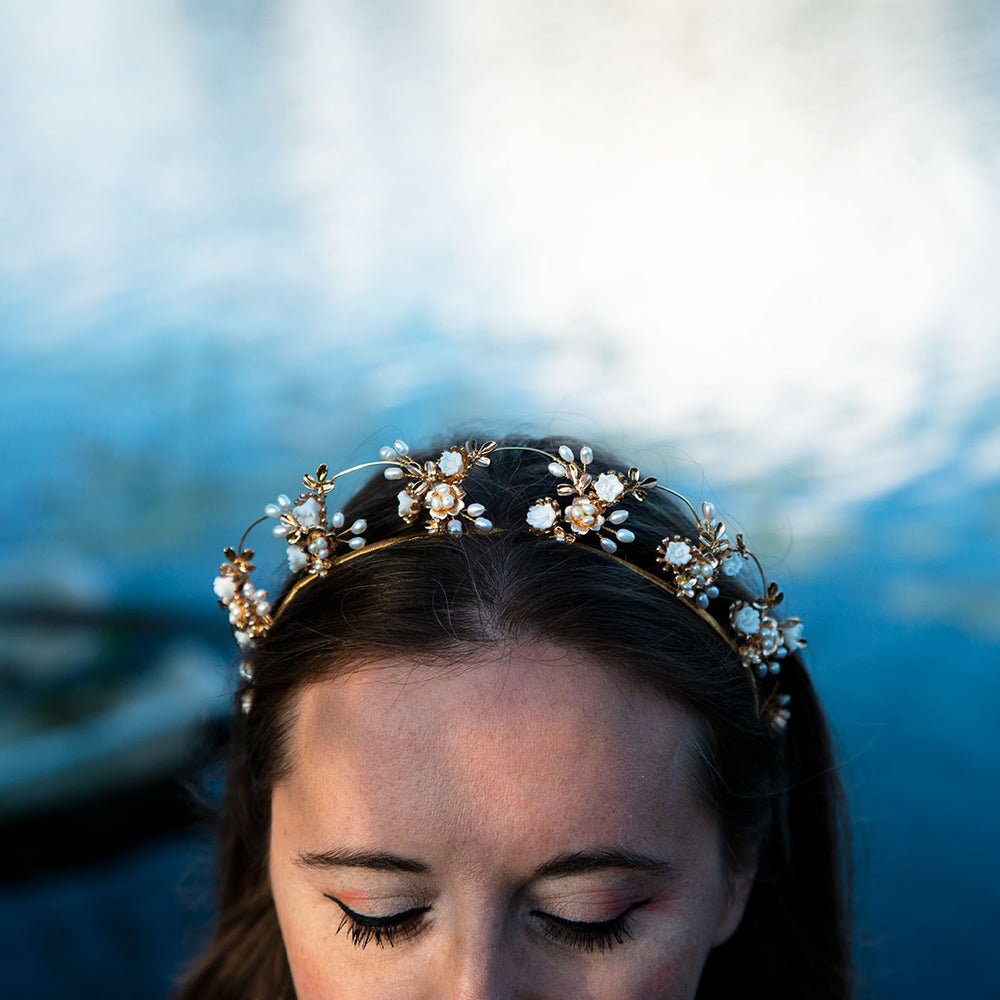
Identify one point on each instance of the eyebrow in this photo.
(582, 862)
(562, 866)
(379, 861)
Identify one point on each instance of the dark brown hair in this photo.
(777, 796)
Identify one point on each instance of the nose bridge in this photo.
(480, 963)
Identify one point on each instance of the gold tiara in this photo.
(433, 500)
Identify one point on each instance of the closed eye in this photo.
(588, 935)
(363, 928)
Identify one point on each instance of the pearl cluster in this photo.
(435, 488)
(591, 502)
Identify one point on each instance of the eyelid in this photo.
(583, 924)
(375, 919)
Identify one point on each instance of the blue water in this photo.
(755, 251)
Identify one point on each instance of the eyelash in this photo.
(363, 929)
(599, 935)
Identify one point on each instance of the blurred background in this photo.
(753, 246)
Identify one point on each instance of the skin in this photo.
(486, 800)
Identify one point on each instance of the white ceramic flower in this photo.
(747, 620)
(451, 462)
(542, 515)
(297, 559)
(407, 505)
(791, 635)
(678, 553)
(225, 588)
(608, 487)
(733, 564)
(307, 513)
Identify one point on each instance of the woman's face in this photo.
(525, 826)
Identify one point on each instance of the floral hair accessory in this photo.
(434, 501)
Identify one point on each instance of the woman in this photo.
(470, 761)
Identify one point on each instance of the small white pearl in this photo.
(608, 545)
(284, 503)
(586, 455)
(393, 472)
(337, 520)
(566, 453)
(359, 525)
(624, 535)
(356, 543)
(386, 453)
(483, 523)
(618, 516)
(248, 590)
(708, 509)
(263, 607)
(272, 510)
(476, 509)
(260, 595)
(402, 448)
(279, 531)
(455, 527)
(557, 470)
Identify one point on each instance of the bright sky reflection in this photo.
(764, 234)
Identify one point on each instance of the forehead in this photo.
(536, 750)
